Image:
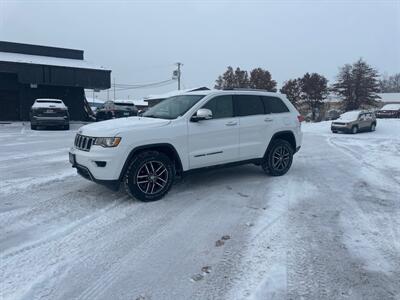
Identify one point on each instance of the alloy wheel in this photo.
(152, 177)
(280, 158)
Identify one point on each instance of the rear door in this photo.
(214, 141)
(363, 121)
(253, 125)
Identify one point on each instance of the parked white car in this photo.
(186, 132)
(49, 112)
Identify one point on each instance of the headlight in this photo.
(107, 141)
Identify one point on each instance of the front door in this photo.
(214, 141)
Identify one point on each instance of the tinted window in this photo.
(274, 105)
(248, 105)
(221, 107)
(124, 104)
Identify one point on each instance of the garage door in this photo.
(9, 105)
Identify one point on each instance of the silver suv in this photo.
(354, 122)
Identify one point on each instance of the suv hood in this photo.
(112, 127)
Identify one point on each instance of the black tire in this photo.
(334, 131)
(33, 127)
(354, 129)
(279, 158)
(372, 128)
(155, 184)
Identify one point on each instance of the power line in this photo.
(167, 82)
(125, 85)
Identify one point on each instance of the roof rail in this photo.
(246, 89)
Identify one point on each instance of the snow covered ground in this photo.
(329, 229)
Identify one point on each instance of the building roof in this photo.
(174, 93)
(48, 60)
(51, 66)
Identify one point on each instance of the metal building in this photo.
(28, 72)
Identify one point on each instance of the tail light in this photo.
(300, 118)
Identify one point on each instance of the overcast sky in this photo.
(141, 40)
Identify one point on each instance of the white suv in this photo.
(186, 132)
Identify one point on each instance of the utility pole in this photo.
(179, 74)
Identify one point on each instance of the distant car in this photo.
(332, 114)
(116, 109)
(94, 106)
(389, 111)
(354, 122)
(49, 112)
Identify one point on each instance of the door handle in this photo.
(232, 123)
(268, 120)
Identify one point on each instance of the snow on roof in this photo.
(350, 115)
(391, 107)
(332, 99)
(172, 93)
(140, 102)
(136, 102)
(47, 60)
(389, 97)
(94, 100)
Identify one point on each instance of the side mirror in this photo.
(202, 114)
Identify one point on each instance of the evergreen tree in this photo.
(357, 85)
(293, 90)
(242, 78)
(314, 91)
(261, 79)
(226, 80)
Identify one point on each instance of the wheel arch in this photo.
(286, 135)
(165, 148)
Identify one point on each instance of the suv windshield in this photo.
(173, 107)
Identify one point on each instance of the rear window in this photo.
(274, 105)
(124, 104)
(248, 105)
(48, 101)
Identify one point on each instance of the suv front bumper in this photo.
(100, 164)
(85, 173)
(341, 128)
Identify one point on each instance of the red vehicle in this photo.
(389, 111)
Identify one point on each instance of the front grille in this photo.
(83, 142)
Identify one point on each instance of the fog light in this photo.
(101, 164)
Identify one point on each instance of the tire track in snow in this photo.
(66, 230)
(357, 156)
(60, 246)
(101, 285)
(22, 184)
(8, 157)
